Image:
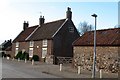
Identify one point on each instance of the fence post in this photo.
(25, 60)
(79, 70)
(32, 62)
(60, 67)
(3, 57)
(100, 73)
(18, 59)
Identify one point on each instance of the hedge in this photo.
(18, 55)
(26, 56)
(3, 54)
(8, 55)
(35, 58)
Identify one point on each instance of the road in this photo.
(12, 69)
(15, 69)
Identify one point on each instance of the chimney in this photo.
(41, 20)
(69, 13)
(25, 25)
(10, 40)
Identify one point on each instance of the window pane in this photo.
(16, 51)
(30, 52)
(44, 43)
(71, 29)
(17, 44)
(31, 43)
(44, 52)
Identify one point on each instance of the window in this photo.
(44, 52)
(16, 51)
(71, 29)
(17, 44)
(44, 43)
(30, 52)
(31, 43)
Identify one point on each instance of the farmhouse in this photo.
(47, 40)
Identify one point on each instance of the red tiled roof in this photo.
(24, 34)
(47, 30)
(107, 37)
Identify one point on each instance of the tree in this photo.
(84, 27)
(117, 26)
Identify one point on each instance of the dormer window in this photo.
(44, 43)
(17, 44)
(31, 43)
(71, 29)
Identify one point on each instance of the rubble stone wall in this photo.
(106, 58)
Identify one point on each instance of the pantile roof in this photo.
(46, 30)
(24, 34)
(106, 37)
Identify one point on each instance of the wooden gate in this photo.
(65, 60)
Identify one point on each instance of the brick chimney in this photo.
(69, 13)
(41, 20)
(25, 25)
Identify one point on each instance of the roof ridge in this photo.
(106, 39)
(32, 26)
(54, 21)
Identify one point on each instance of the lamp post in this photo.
(94, 58)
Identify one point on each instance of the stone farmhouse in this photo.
(47, 40)
(107, 50)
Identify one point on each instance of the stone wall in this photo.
(106, 58)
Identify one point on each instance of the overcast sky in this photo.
(14, 12)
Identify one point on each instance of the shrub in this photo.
(35, 58)
(26, 56)
(8, 55)
(18, 55)
(22, 57)
(3, 54)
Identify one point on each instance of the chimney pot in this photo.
(41, 20)
(69, 13)
(25, 25)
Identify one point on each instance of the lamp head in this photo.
(94, 15)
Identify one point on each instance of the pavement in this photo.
(67, 70)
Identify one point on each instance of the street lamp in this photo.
(94, 58)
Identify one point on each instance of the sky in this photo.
(14, 12)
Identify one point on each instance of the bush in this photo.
(3, 54)
(22, 57)
(35, 58)
(8, 55)
(26, 55)
(18, 55)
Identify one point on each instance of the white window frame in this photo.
(44, 52)
(31, 44)
(16, 51)
(44, 43)
(17, 44)
(30, 52)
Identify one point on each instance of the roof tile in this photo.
(24, 34)
(106, 37)
(46, 31)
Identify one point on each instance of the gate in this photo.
(65, 60)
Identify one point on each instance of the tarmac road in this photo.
(14, 69)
